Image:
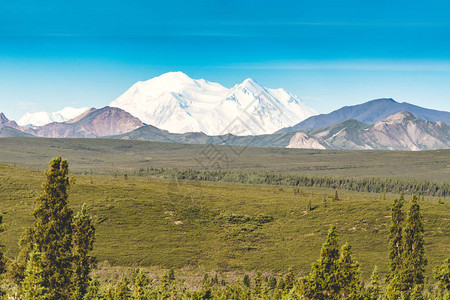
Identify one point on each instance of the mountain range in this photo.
(179, 104)
(368, 112)
(176, 108)
(401, 131)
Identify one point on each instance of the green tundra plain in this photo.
(161, 222)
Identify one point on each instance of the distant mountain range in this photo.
(174, 100)
(401, 131)
(93, 123)
(368, 112)
(179, 104)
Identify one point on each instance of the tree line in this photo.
(55, 262)
(374, 185)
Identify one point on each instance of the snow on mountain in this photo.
(178, 103)
(42, 118)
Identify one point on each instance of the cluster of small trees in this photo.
(55, 262)
(373, 185)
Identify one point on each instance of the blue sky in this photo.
(330, 53)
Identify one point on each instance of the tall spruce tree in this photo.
(82, 242)
(51, 233)
(396, 237)
(349, 274)
(323, 280)
(413, 253)
(58, 245)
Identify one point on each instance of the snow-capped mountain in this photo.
(178, 103)
(42, 118)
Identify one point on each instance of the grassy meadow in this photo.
(106, 156)
(146, 221)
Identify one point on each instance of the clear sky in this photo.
(330, 53)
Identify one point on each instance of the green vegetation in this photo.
(220, 226)
(374, 185)
(107, 156)
(234, 234)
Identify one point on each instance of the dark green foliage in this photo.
(407, 278)
(336, 196)
(140, 285)
(93, 290)
(122, 290)
(54, 256)
(82, 243)
(323, 280)
(374, 289)
(349, 274)
(413, 255)
(289, 279)
(396, 237)
(33, 284)
(51, 233)
(171, 275)
(257, 290)
(272, 282)
(374, 185)
(246, 280)
(442, 276)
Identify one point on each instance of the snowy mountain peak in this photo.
(175, 102)
(42, 118)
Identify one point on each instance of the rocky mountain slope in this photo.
(179, 104)
(92, 123)
(5, 122)
(369, 112)
(401, 131)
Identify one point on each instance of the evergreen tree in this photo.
(413, 253)
(122, 291)
(82, 242)
(258, 285)
(171, 275)
(246, 281)
(140, 284)
(289, 279)
(349, 274)
(374, 289)
(396, 237)
(336, 196)
(51, 233)
(33, 284)
(323, 280)
(93, 290)
(442, 276)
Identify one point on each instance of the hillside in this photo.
(91, 124)
(6, 131)
(401, 131)
(369, 112)
(159, 222)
